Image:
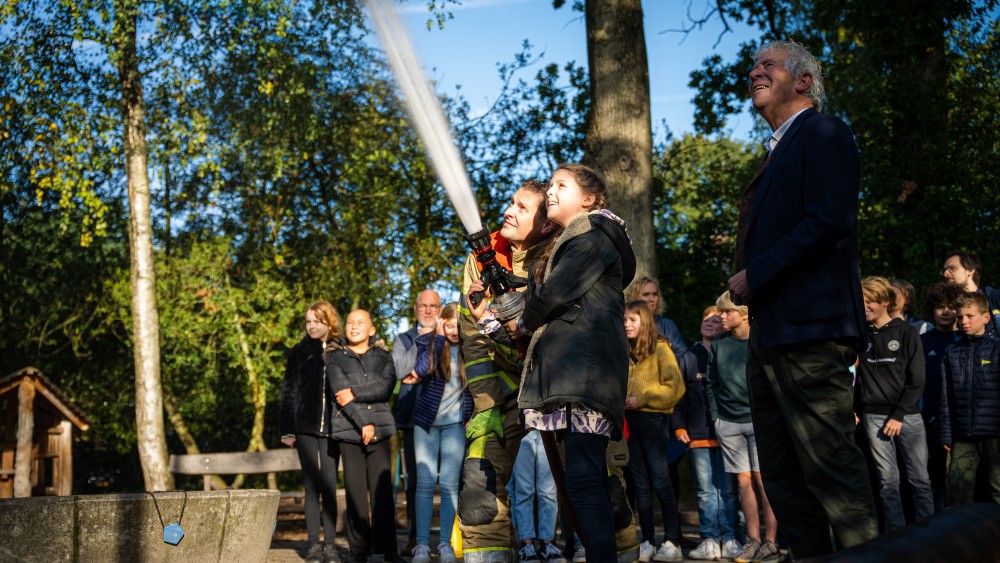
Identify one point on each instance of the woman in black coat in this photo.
(304, 423)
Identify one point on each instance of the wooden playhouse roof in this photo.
(48, 390)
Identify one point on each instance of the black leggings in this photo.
(318, 456)
(368, 484)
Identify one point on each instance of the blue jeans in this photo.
(532, 477)
(912, 444)
(448, 442)
(651, 471)
(716, 492)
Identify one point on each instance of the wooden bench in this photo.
(234, 463)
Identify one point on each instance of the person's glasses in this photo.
(949, 269)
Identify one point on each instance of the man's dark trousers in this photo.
(801, 402)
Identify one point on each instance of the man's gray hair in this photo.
(800, 61)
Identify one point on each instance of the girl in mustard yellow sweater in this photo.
(655, 385)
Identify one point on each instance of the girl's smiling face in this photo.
(358, 327)
(565, 198)
(451, 330)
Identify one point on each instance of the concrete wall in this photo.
(224, 526)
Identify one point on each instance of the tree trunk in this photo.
(257, 396)
(25, 432)
(917, 60)
(170, 403)
(150, 433)
(620, 135)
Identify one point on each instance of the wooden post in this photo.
(62, 478)
(25, 431)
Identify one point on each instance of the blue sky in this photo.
(486, 32)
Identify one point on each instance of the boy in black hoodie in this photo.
(890, 383)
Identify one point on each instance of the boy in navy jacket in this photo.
(970, 401)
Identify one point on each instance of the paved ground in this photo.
(290, 542)
(294, 551)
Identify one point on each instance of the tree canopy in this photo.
(282, 170)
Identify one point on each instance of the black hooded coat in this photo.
(578, 351)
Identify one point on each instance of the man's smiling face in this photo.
(773, 89)
(522, 222)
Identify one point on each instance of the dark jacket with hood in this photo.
(371, 377)
(692, 412)
(970, 389)
(306, 403)
(891, 371)
(578, 351)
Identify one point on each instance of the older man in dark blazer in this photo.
(797, 269)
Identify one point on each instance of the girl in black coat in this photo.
(304, 423)
(361, 377)
(576, 367)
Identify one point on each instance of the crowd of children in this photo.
(599, 369)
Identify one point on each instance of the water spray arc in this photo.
(428, 119)
(425, 113)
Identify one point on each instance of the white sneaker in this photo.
(421, 554)
(708, 550)
(580, 555)
(668, 552)
(646, 551)
(731, 549)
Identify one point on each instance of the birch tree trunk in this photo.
(25, 432)
(619, 135)
(170, 404)
(150, 433)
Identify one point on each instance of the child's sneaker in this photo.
(421, 554)
(749, 552)
(646, 551)
(708, 550)
(528, 553)
(767, 553)
(668, 552)
(446, 554)
(551, 553)
(315, 553)
(580, 555)
(731, 549)
(330, 554)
